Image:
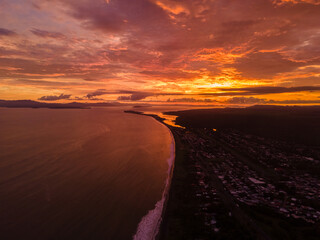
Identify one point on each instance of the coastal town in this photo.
(287, 196)
(238, 185)
(250, 171)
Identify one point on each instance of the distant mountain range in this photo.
(35, 104)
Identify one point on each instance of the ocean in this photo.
(94, 173)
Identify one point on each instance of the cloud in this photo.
(135, 96)
(157, 47)
(294, 101)
(7, 32)
(124, 98)
(245, 100)
(118, 16)
(264, 65)
(132, 95)
(266, 90)
(191, 100)
(98, 92)
(47, 34)
(173, 74)
(55, 98)
(281, 2)
(253, 100)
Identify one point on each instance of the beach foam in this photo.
(148, 227)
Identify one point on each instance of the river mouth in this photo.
(168, 119)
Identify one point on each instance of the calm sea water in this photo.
(79, 174)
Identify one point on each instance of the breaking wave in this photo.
(148, 227)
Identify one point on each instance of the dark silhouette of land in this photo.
(35, 104)
(251, 173)
(290, 123)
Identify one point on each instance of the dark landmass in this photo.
(35, 104)
(292, 124)
(136, 112)
(141, 106)
(241, 174)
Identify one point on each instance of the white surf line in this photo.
(149, 226)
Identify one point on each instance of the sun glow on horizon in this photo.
(186, 51)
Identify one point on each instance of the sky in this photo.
(161, 51)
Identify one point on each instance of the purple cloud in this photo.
(55, 98)
(47, 34)
(7, 32)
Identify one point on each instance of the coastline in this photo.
(148, 228)
(212, 194)
(179, 218)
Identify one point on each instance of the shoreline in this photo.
(156, 231)
(168, 184)
(214, 193)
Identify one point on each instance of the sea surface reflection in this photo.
(79, 173)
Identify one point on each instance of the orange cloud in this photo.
(157, 47)
(173, 7)
(281, 2)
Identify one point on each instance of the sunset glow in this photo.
(161, 51)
